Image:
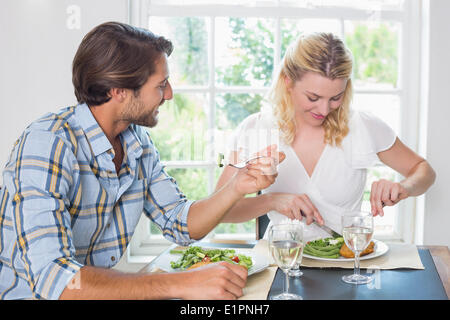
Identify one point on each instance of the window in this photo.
(224, 55)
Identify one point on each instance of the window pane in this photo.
(232, 109)
(193, 183)
(292, 28)
(375, 48)
(244, 51)
(237, 229)
(181, 130)
(189, 61)
(384, 106)
(355, 4)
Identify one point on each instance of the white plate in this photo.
(380, 248)
(260, 263)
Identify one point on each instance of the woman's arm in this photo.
(287, 204)
(418, 173)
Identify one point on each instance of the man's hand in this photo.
(221, 280)
(259, 173)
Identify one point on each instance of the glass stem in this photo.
(286, 286)
(357, 272)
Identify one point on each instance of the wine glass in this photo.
(357, 229)
(286, 247)
(295, 271)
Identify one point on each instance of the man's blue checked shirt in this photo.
(63, 206)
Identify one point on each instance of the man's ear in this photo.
(118, 94)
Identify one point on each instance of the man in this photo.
(78, 180)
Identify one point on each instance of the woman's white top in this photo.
(339, 177)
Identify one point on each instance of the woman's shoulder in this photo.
(366, 119)
(368, 126)
(368, 135)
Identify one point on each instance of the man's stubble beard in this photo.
(133, 114)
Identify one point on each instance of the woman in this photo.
(328, 146)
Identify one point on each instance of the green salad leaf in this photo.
(195, 254)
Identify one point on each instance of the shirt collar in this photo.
(134, 144)
(98, 140)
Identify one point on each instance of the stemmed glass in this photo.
(295, 271)
(357, 229)
(286, 247)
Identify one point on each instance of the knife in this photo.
(328, 230)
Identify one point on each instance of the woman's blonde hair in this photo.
(322, 53)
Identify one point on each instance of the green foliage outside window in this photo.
(375, 53)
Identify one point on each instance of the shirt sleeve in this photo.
(39, 180)
(165, 204)
(369, 136)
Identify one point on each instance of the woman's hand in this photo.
(386, 193)
(294, 206)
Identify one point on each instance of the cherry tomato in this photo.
(235, 259)
(206, 259)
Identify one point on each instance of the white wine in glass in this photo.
(286, 253)
(357, 230)
(286, 247)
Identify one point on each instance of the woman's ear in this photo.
(287, 82)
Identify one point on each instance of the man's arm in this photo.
(215, 281)
(183, 221)
(205, 214)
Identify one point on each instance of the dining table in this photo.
(429, 281)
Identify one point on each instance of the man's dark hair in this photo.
(115, 55)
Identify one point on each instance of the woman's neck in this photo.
(306, 131)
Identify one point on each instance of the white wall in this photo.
(38, 40)
(436, 217)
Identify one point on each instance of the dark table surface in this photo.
(431, 283)
(398, 284)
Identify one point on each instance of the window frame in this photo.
(145, 244)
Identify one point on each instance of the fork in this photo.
(243, 164)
